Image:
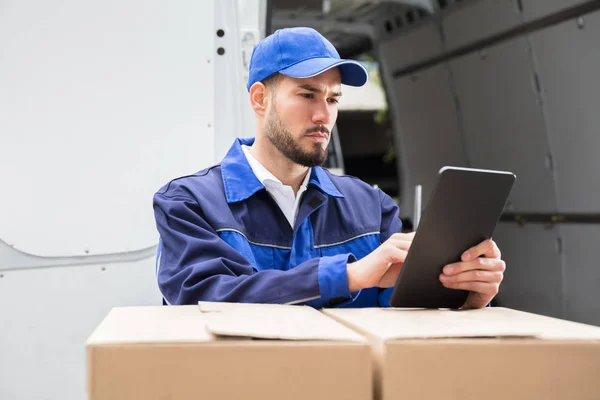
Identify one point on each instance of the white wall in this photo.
(96, 102)
(101, 103)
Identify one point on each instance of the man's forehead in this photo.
(329, 80)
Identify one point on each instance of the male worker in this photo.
(269, 225)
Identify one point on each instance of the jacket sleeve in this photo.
(195, 264)
(390, 224)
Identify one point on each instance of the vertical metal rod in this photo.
(417, 208)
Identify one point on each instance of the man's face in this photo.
(301, 116)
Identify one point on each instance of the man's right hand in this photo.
(382, 266)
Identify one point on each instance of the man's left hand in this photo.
(480, 272)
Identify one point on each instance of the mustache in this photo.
(320, 128)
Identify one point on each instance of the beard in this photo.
(284, 141)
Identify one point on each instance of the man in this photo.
(268, 225)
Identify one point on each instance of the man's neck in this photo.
(288, 172)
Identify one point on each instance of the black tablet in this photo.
(462, 211)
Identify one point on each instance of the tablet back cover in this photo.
(462, 212)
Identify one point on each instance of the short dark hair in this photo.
(272, 81)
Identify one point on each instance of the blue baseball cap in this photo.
(301, 53)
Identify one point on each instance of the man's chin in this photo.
(315, 147)
(310, 160)
(316, 160)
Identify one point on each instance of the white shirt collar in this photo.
(282, 194)
(264, 174)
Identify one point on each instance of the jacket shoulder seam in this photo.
(200, 174)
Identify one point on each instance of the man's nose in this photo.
(322, 114)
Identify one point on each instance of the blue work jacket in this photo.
(223, 238)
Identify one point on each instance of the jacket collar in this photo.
(240, 182)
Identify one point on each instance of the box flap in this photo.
(274, 322)
(151, 325)
(396, 323)
(421, 324)
(550, 328)
(212, 306)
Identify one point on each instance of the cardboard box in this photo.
(491, 353)
(216, 351)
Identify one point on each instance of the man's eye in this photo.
(307, 95)
(334, 101)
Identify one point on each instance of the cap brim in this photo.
(353, 73)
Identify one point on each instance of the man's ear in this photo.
(258, 98)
